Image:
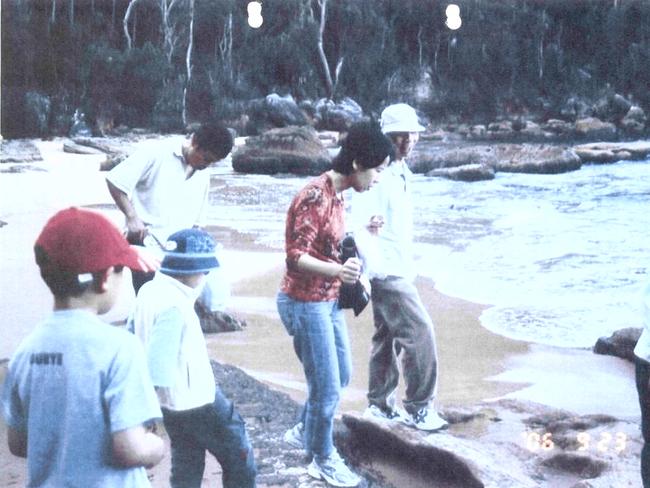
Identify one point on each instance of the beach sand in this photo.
(474, 364)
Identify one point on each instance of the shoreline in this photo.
(475, 364)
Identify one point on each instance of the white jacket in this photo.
(176, 352)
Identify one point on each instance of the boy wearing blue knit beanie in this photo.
(196, 414)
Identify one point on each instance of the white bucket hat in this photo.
(400, 117)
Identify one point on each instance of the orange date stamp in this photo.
(604, 442)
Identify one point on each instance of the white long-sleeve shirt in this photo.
(391, 252)
(165, 321)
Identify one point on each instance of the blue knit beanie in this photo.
(189, 251)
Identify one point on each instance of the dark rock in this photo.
(611, 107)
(503, 127)
(19, 151)
(620, 344)
(283, 111)
(74, 148)
(558, 127)
(295, 150)
(438, 464)
(217, 321)
(634, 122)
(583, 466)
(610, 152)
(273, 111)
(595, 129)
(268, 415)
(530, 158)
(441, 157)
(575, 108)
(466, 172)
(337, 116)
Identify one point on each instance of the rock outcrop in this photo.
(610, 152)
(512, 158)
(504, 444)
(620, 344)
(295, 150)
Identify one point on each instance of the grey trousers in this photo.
(403, 329)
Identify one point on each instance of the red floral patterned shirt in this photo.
(315, 226)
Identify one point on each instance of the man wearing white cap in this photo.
(402, 325)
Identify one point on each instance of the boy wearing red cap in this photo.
(77, 395)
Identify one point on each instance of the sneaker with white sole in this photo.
(427, 419)
(333, 470)
(388, 413)
(295, 436)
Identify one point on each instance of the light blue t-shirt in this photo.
(73, 382)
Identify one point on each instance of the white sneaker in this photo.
(333, 470)
(295, 436)
(394, 414)
(427, 419)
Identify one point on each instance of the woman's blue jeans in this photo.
(320, 339)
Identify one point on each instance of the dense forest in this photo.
(166, 63)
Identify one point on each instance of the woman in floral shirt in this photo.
(307, 301)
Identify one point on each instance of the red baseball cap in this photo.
(80, 241)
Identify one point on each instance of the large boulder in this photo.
(610, 152)
(427, 160)
(466, 172)
(337, 116)
(634, 122)
(295, 150)
(620, 344)
(575, 108)
(502, 444)
(611, 107)
(594, 128)
(536, 158)
(511, 158)
(19, 151)
(274, 111)
(558, 127)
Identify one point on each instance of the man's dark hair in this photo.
(214, 137)
(365, 144)
(64, 284)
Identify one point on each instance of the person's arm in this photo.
(136, 230)
(137, 447)
(347, 272)
(17, 441)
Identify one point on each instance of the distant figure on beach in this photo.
(197, 415)
(163, 188)
(77, 398)
(642, 353)
(307, 301)
(403, 329)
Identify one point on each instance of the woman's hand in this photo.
(350, 271)
(375, 224)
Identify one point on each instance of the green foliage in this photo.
(509, 55)
(142, 79)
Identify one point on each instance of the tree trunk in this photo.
(125, 23)
(329, 86)
(188, 64)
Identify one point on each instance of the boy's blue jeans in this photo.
(218, 429)
(320, 339)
